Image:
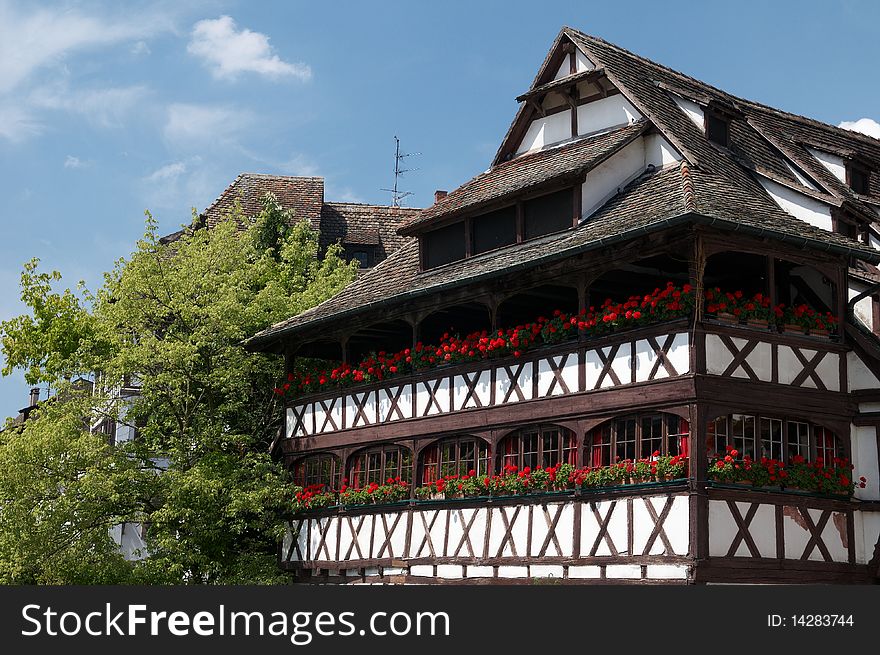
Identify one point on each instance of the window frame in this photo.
(853, 168)
(565, 450)
(787, 424)
(381, 451)
(609, 442)
(302, 479)
(482, 458)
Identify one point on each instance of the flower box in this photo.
(791, 327)
(818, 332)
(761, 323)
(726, 317)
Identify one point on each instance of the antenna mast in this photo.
(396, 195)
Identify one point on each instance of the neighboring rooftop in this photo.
(368, 232)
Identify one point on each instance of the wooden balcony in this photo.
(557, 380)
(664, 533)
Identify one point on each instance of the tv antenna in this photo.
(396, 195)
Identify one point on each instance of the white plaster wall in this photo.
(833, 163)
(546, 571)
(723, 530)
(480, 571)
(659, 152)
(863, 309)
(289, 423)
(482, 389)
(602, 182)
(563, 70)
(800, 178)
(569, 375)
(546, 131)
(585, 572)
(503, 383)
(404, 403)
(859, 376)
(867, 535)
(800, 206)
(865, 460)
(423, 397)
(666, 572)
(760, 360)
(680, 355)
(675, 526)
(583, 62)
(605, 113)
(621, 366)
(829, 371)
(623, 571)
(692, 110)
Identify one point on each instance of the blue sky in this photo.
(109, 109)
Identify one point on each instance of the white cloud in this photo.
(864, 125)
(299, 165)
(140, 49)
(228, 51)
(103, 107)
(166, 173)
(73, 162)
(45, 36)
(17, 125)
(190, 123)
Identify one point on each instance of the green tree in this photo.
(174, 315)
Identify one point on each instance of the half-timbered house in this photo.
(651, 268)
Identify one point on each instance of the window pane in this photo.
(652, 435)
(742, 435)
(626, 439)
(444, 245)
(494, 230)
(530, 450)
(771, 438)
(550, 448)
(600, 447)
(548, 214)
(798, 440)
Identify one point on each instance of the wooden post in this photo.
(698, 501)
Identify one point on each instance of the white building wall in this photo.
(692, 110)
(833, 163)
(546, 131)
(602, 183)
(606, 113)
(807, 209)
(865, 460)
(863, 309)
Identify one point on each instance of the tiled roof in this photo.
(357, 224)
(713, 185)
(529, 171)
(304, 195)
(337, 222)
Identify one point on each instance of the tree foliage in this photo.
(171, 317)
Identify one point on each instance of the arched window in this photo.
(637, 436)
(454, 456)
(758, 436)
(322, 468)
(378, 463)
(538, 446)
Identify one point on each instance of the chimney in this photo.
(34, 397)
(439, 195)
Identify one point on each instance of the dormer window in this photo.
(857, 177)
(717, 128)
(528, 218)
